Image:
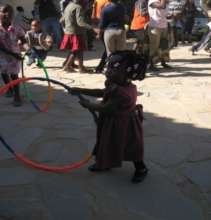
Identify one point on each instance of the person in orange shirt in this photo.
(139, 25)
(98, 6)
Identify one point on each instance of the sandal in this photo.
(139, 175)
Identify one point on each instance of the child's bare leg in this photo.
(79, 56)
(6, 80)
(17, 99)
(69, 62)
(82, 68)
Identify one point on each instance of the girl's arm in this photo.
(108, 107)
(90, 92)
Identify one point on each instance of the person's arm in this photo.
(80, 18)
(90, 92)
(159, 4)
(94, 13)
(108, 107)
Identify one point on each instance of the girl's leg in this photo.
(6, 80)
(140, 172)
(17, 99)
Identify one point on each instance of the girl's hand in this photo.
(75, 91)
(85, 103)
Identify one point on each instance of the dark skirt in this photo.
(119, 138)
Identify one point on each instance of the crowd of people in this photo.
(119, 127)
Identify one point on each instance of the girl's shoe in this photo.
(17, 103)
(9, 94)
(139, 175)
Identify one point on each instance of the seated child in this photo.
(39, 43)
(10, 56)
(119, 127)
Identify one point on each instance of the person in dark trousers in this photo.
(119, 126)
(189, 11)
(49, 17)
(98, 6)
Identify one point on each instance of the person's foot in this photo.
(98, 70)
(30, 62)
(139, 175)
(9, 94)
(94, 168)
(152, 68)
(165, 65)
(17, 102)
(68, 69)
(85, 70)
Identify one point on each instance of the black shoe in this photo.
(93, 168)
(98, 70)
(152, 68)
(17, 103)
(139, 175)
(165, 65)
(9, 94)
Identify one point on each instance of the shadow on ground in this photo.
(177, 154)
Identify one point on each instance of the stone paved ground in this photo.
(177, 126)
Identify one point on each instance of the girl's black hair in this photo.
(134, 67)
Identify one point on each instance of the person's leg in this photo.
(164, 48)
(17, 99)
(140, 172)
(120, 42)
(6, 80)
(154, 43)
(102, 62)
(109, 39)
(80, 58)
(56, 30)
(31, 57)
(69, 62)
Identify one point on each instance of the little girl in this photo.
(119, 127)
(10, 51)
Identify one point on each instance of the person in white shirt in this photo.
(158, 34)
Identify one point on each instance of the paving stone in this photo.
(45, 151)
(67, 197)
(23, 209)
(201, 152)
(156, 197)
(16, 176)
(209, 197)
(22, 139)
(42, 120)
(72, 151)
(199, 173)
(175, 150)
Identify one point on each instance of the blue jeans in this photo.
(36, 54)
(52, 26)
